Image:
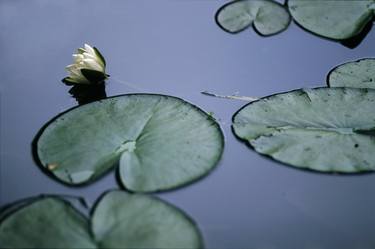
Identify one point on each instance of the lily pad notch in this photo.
(267, 17)
(118, 220)
(159, 142)
(345, 21)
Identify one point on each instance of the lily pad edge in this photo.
(343, 64)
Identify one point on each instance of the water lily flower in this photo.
(88, 67)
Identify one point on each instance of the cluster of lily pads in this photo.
(333, 19)
(118, 220)
(159, 142)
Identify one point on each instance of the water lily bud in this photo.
(88, 67)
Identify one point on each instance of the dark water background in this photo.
(174, 47)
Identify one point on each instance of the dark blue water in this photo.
(174, 47)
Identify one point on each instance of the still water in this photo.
(175, 48)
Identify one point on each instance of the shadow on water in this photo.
(88, 93)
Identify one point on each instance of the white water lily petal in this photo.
(86, 58)
(70, 67)
(88, 55)
(78, 56)
(100, 59)
(89, 49)
(92, 64)
(79, 79)
(76, 75)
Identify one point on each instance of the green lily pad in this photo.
(357, 74)
(148, 222)
(45, 223)
(119, 220)
(160, 142)
(266, 16)
(334, 19)
(323, 129)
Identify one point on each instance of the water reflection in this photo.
(88, 93)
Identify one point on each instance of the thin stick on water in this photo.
(128, 84)
(236, 97)
(207, 93)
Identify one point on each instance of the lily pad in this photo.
(45, 223)
(357, 74)
(334, 19)
(160, 142)
(266, 16)
(322, 129)
(119, 220)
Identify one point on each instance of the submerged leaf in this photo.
(357, 74)
(266, 16)
(334, 19)
(323, 129)
(161, 142)
(119, 220)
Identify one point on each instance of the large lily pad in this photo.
(119, 220)
(266, 16)
(357, 74)
(161, 142)
(323, 129)
(334, 19)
